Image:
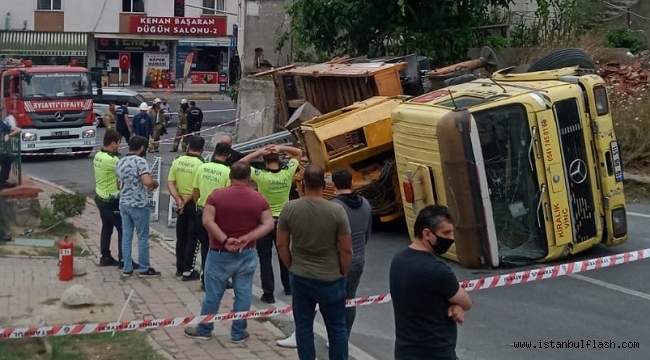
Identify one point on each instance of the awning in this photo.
(36, 43)
(203, 43)
(225, 40)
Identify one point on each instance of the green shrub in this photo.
(233, 92)
(622, 37)
(64, 206)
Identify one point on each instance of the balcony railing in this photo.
(13, 147)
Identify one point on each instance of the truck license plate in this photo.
(60, 133)
(616, 160)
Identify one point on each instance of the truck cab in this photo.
(52, 104)
(528, 164)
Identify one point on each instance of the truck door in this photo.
(467, 192)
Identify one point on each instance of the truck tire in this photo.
(563, 58)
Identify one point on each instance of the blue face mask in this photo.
(442, 245)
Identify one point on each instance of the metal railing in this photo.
(13, 147)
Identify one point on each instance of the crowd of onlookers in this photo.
(234, 226)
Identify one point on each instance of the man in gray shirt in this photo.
(360, 216)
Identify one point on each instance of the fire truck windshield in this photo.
(36, 86)
(505, 138)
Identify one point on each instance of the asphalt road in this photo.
(603, 305)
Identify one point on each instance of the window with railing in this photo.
(48, 5)
(133, 6)
(210, 7)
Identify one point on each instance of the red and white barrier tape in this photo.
(490, 282)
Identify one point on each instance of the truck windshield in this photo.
(505, 138)
(56, 85)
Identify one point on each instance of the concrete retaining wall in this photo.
(256, 109)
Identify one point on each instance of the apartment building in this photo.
(147, 36)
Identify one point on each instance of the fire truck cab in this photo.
(52, 104)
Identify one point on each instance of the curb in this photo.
(637, 178)
(320, 330)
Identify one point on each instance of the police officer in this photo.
(180, 183)
(181, 129)
(274, 181)
(194, 118)
(210, 176)
(107, 198)
(123, 125)
(158, 118)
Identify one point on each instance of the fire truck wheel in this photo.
(82, 152)
(567, 57)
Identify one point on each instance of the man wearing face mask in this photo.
(428, 302)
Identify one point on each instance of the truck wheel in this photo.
(82, 152)
(567, 57)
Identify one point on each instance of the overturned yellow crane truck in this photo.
(527, 162)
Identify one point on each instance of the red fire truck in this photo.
(52, 104)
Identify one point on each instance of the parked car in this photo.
(117, 95)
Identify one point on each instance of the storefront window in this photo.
(210, 64)
(211, 58)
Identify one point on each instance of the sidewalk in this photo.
(30, 289)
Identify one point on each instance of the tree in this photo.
(440, 29)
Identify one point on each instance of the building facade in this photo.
(132, 42)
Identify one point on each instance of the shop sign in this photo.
(128, 45)
(156, 61)
(204, 77)
(165, 25)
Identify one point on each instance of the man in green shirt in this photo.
(180, 183)
(209, 177)
(107, 196)
(274, 182)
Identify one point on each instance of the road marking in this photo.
(610, 286)
(638, 214)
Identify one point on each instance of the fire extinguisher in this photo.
(66, 260)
